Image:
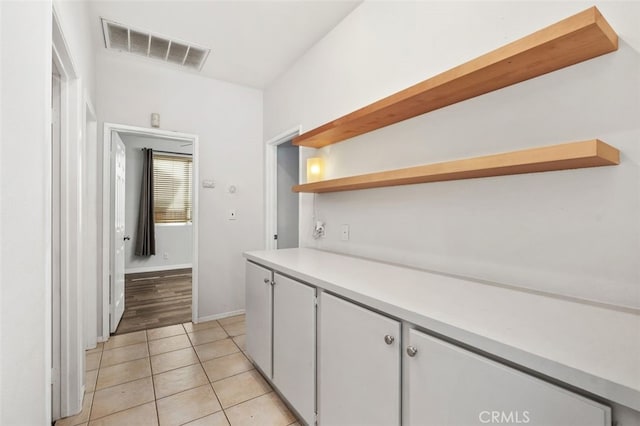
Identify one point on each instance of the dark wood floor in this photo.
(156, 299)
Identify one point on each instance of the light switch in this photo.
(208, 184)
(344, 232)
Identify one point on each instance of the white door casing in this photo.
(55, 244)
(271, 184)
(117, 280)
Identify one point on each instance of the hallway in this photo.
(194, 374)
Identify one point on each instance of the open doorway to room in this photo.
(282, 204)
(158, 287)
(152, 229)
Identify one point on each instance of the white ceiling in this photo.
(251, 42)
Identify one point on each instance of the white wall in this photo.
(77, 25)
(228, 120)
(25, 208)
(176, 240)
(572, 232)
(25, 226)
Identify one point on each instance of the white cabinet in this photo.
(294, 344)
(358, 365)
(258, 316)
(369, 373)
(450, 386)
(281, 335)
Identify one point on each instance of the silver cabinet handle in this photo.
(388, 339)
(267, 280)
(412, 351)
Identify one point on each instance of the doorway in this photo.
(161, 289)
(282, 204)
(287, 175)
(157, 289)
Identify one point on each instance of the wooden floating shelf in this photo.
(592, 153)
(570, 41)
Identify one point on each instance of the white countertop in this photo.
(588, 346)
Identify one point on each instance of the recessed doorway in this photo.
(151, 229)
(282, 165)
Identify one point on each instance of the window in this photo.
(172, 189)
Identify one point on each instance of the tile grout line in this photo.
(210, 382)
(253, 368)
(125, 409)
(153, 383)
(119, 411)
(93, 397)
(255, 397)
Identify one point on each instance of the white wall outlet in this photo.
(165, 255)
(344, 232)
(208, 183)
(232, 214)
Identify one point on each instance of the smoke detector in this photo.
(125, 38)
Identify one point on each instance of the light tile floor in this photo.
(195, 374)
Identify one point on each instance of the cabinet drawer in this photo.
(448, 385)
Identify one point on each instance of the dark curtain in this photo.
(146, 236)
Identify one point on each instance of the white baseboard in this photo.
(220, 316)
(156, 268)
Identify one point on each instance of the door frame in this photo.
(271, 184)
(69, 340)
(107, 207)
(91, 266)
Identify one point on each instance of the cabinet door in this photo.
(258, 316)
(358, 371)
(294, 344)
(449, 385)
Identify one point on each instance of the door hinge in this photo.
(316, 418)
(275, 236)
(315, 303)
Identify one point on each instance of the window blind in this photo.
(172, 187)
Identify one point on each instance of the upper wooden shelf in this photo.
(572, 40)
(574, 155)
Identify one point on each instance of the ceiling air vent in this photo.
(144, 43)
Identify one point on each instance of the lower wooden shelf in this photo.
(575, 155)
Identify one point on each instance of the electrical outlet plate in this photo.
(344, 232)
